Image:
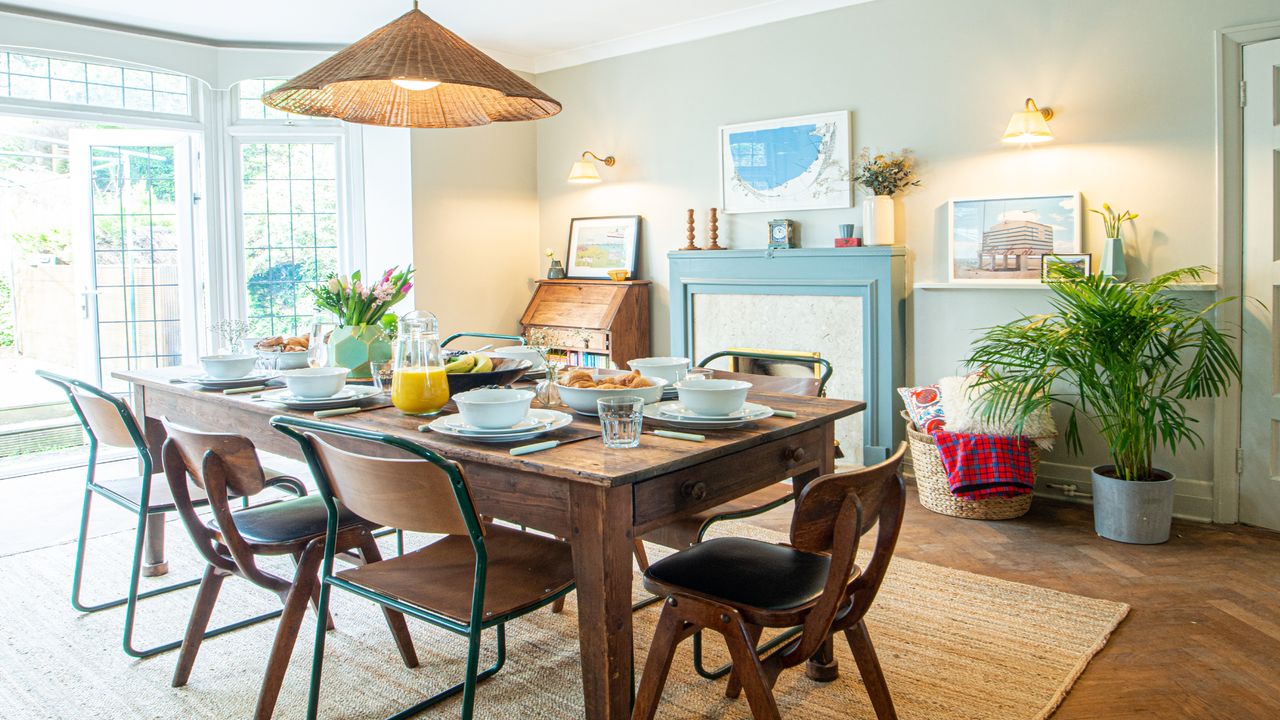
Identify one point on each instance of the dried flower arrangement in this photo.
(885, 174)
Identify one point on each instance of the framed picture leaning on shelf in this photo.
(600, 244)
(1082, 262)
(1002, 239)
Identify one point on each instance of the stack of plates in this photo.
(257, 377)
(534, 424)
(677, 415)
(346, 397)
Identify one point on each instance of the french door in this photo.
(134, 249)
(1260, 399)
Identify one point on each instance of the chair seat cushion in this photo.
(742, 572)
(287, 521)
(129, 489)
(523, 570)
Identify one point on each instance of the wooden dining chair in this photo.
(225, 466)
(737, 587)
(108, 421)
(479, 576)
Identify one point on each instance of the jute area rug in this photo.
(953, 645)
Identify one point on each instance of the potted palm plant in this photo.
(1127, 357)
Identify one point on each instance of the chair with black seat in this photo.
(479, 576)
(108, 421)
(737, 587)
(225, 466)
(691, 529)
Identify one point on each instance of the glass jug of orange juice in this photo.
(419, 385)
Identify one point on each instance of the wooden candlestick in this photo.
(715, 226)
(691, 245)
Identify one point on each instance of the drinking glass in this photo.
(621, 419)
(322, 326)
(699, 373)
(382, 373)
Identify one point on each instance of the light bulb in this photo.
(415, 85)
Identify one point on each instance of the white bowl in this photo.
(519, 352)
(316, 383)
(284, 360)
(671, 369)
(713, 397)
(584, 399)
(228, 367)
(493, 408)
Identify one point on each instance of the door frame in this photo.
(184, 143)
(1229, 131)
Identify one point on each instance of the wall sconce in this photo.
(1029, 126)
(584, 171)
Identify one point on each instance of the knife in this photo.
(537, 447)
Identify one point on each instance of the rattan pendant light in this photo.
(413, 72)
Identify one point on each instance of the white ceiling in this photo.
(531, 35)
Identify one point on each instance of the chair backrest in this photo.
(224, 466)
(812, 386)
(831, 515)
(241, 470)
(517, 339)
(420, 493)
(104, 416)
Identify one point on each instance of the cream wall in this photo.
(475, 224)
(1132, 82)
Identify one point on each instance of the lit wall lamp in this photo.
(584, 171)
(1029, 126)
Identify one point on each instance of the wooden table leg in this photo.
(602, 543)
(822, 667)
(153, 560)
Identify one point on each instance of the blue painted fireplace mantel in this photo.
(877, 275)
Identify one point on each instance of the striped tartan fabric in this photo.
(985, 466)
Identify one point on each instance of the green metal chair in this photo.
(107, 420)
(814, 362)
(489, 336)
(510, 573)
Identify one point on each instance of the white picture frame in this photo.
(600, 244)
(1031, 221)
(823, 183)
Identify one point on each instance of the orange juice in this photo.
(420, 390)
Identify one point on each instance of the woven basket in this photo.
(935, 492)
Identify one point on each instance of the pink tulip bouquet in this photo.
(358, 303)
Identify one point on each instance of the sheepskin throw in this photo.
(960, 408)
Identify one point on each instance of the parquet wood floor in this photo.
(1203, 638)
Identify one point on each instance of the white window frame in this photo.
(302, 121)
(351, 241)
(91, 112)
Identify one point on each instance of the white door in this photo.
(133, 242)
(1260, 421)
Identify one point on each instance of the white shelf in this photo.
(1182, 287)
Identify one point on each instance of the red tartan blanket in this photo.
(985, 466)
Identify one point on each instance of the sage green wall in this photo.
(1132, 82)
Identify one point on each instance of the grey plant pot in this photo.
(1132, 512)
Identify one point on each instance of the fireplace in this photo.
(843, 304)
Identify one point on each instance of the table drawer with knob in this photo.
(709, 484)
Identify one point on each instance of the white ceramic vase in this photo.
(877, 220)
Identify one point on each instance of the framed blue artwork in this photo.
(795, 163)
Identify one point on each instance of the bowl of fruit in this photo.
(468, 371)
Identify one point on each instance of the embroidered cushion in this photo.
(924, 405)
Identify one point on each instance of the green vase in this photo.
(355, 346)
(1113, 264)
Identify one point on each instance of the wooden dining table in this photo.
(600, 499)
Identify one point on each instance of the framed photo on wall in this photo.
(1003, 239)
(600, 244)
(1082, 262)
(794, 163)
